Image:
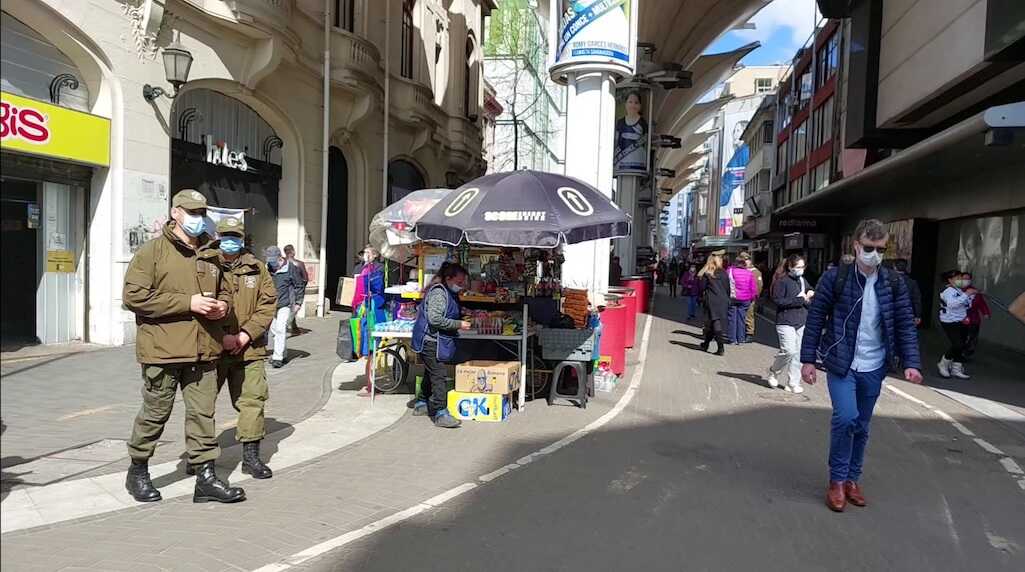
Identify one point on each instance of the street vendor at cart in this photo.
(434, 339)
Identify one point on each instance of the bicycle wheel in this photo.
(390, 369)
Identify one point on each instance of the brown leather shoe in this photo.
(836, 500)
(853, 493)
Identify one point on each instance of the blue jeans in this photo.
(854, 397)
(692, 306)
(736, 331)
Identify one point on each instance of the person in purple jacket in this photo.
(744, 289)
(690, 287)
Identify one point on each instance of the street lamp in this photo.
(177, 61)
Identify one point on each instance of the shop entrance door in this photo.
(339, 261)
(19, 273)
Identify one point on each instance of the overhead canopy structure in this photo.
(708, 71)
(683, 29)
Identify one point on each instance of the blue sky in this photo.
(782, 27)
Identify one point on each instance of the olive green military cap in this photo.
(231, 225)
(189, 199)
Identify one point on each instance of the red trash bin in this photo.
(640, 286)
(613, 321)
(630, 301)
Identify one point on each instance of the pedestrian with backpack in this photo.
(860, 320)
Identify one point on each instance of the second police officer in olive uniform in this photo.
(180, 297)
(245, 341)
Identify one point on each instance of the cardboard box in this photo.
(488, 376)
(489, 407)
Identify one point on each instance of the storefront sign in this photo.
(219, 154)
(595, 34)
(37, 128)
(797, 224)
(60, 261)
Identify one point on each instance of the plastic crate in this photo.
(567, 345)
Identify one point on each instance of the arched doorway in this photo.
(223, 148)
(339, 261)
(403, 178)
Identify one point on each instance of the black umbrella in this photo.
(523, 209)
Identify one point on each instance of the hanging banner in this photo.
(594, 34)
(214, 215)
(633, 131)
(731, 190)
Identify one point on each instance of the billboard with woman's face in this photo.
(633, 132)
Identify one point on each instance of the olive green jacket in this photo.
(159, 284)
(254, 302)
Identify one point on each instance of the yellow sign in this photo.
(37, 128)
(60, 261)
(491, 407)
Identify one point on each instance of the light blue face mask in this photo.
(193, 225)
(231, 244)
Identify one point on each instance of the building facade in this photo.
(917, 120)
(720, 192)
(529, 132)
(246, 130)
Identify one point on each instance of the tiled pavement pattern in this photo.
(53, 405)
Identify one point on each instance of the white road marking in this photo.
(434, 502)
(988, 446)
(948, 518)
(1011, 467)
(1009, 464)
(964, 430)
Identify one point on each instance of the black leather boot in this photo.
(139, 484)
(251, 463)
(210, 488)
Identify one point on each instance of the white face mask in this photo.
(871, 259)
(455, 288)
(797, 272)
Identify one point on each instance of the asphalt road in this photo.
(708, 469)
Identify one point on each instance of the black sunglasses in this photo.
(871, 249)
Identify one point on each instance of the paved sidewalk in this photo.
(68, 415)
(334, 493)
(700, 457)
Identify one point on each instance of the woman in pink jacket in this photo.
(743, 291)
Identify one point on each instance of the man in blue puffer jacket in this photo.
(860, 322)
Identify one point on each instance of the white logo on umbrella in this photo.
(576, 201)
(461, 201)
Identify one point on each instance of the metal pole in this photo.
(322, 269)
(387, 101)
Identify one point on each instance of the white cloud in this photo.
(796, 16)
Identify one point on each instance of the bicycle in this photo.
(392, 359)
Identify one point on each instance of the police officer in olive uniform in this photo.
(180, 297)
(245, 341)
